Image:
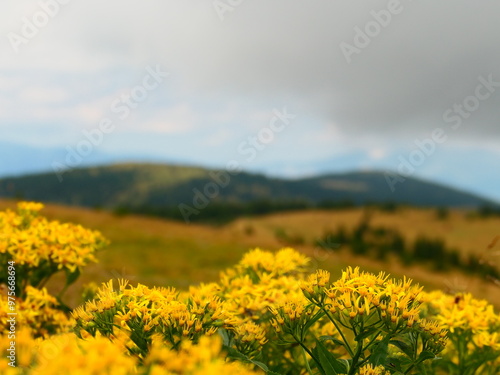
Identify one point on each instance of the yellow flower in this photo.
(66, 354)
(38, 311)
(482, 339)
(33, 241)
(30, 206)
(462, 311)
(203, 358)
(371, 370)
(284, 261)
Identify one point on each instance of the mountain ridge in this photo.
(166, 185)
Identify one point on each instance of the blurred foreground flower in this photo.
(39, 248)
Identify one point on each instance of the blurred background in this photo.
(361, 133)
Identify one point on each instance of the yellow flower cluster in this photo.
(143, 311)
(462, 311)
(474, 329)
(484, 339)
(30, 207)
(38, 310)
(31, 240)
(239, 304)
(251, 337)
(285, 261)
(358, 294)
(203, 358)
(432, 327)
(291, 317)
(66, 354)
(373, 370)
(262, 280)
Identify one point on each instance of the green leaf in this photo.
(403, 346)
(329, 364)
(313, 320)
(379, 352)
(327, 337)
(397, 363)
(253, 276)
(316, 362)
(71, 277)
(226, 337)
(346, 363)
(364, 335)
(425, 356)
(235, 354)
(333, 339)
(259, 365)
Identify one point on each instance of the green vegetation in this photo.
(218, 212)
(220, 196)
(380, 242)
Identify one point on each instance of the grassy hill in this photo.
(161, 252)
(159, 189)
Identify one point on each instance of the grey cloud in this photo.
(428, 58)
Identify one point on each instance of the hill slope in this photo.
(152, 185)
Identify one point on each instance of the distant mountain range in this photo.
(159, 185)
(17, 159)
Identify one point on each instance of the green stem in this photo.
(348, 347)
(409, 368)
(355, 358)
(306, 361)
(306, 349)
(458, 343)
(372, 340)
(359, 348)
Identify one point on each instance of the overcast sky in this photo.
(361, 82)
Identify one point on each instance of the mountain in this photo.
(155, 185)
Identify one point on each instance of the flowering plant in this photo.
(266, 315)
(39, 248)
